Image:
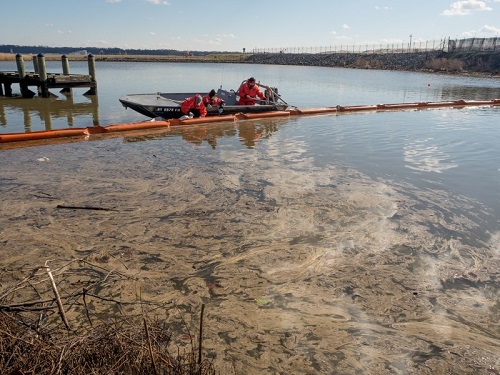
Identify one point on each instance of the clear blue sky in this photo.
(225, 25)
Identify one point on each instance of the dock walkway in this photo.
(45, 81)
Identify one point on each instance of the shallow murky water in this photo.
(304, 266)
(350, 244)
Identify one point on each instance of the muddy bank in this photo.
(302, 269)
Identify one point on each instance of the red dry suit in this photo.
(247, 94)
(190, 105)
(214, 100)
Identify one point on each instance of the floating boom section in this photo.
(85, 133)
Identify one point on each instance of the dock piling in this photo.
(25, 91)
(91, 62)
(44, 81)
(35, 63)
(65, 69)
(43, 89)
(8, 89)
(20, 66)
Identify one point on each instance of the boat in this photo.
(168, 105)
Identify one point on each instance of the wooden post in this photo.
(8, 89)
(65, 69)
(91, 62)
(65, 64)
(95, 111)
(25, 91)
(20, 66)
(35, 63)
(42, 73)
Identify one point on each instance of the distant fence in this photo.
(446, 45)
(474, 44)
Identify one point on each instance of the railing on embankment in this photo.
(410, 46)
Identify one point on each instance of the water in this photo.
(304, 87)
(459, 143)
(351, 243)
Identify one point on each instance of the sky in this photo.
(234, 25)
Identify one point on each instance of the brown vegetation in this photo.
(80, 325)
(443, 64)
(236, 57)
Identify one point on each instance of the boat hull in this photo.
(168, 105)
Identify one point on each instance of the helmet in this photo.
(211, 93)
(198, 99)
(251, 79)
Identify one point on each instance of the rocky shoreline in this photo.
(484, 64)
(476, 63)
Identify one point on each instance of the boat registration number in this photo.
(162, 109)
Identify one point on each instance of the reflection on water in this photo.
(48, 110)
(422, 155)
(469, 93)
(248, 132)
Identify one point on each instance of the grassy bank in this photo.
(136, 58)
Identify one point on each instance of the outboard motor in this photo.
(272, 94)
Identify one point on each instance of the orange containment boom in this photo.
(43, 134)
(86, 132)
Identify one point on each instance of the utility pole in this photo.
(410, 41)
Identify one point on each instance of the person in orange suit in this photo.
(212, 100)
(193, 107)
(249, 91)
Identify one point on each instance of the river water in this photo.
(352, 243)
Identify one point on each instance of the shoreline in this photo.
(477, 64)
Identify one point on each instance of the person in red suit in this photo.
(249, 92)
(193, 107)
(212, 100)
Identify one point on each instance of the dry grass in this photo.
(166, 58)
(113, 348)
(48, 57)
(175, 58)
(90, 327)
(7, 57)
(444, 64)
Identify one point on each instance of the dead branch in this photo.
(85, 208)
(148, 338)
(201, 334)
(58, 299)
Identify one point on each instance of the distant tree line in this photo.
(12, 48)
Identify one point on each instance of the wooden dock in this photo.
(45, 81)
